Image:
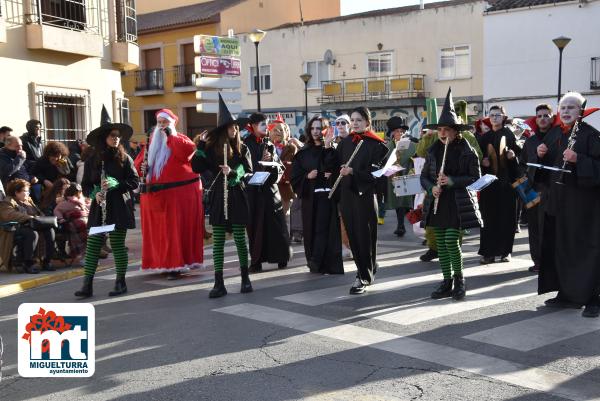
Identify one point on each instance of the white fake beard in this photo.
(159, 152)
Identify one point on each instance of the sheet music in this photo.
(259, 178)
(544, 167)
(102, 229)
(269, 164)
(482, 182)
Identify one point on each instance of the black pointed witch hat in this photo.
(224, 117)
(106, 126)
(448, 117)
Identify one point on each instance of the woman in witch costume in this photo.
(311, 180)
(109, 178)
(356, 194)
(450, 166)
(213, 147)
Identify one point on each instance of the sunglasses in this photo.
(341, 122)
(543, 116)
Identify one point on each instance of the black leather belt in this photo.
(168, 185)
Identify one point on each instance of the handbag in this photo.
(40, 223)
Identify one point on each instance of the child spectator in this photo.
(72, 211)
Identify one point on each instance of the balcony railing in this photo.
(376, 88)
(595, 73)
(126, 21)
(183, 75)
(149, 80)
(75, 15)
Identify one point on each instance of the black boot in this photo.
(459, 291)
(255, 268)
(87, 290)
(444, 290)
(47, 266)
(429, 255)
(29, 268)
(120, 286)
(219, 288)
(400, 230)
(246, 284)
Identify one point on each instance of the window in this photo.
(455, 62)
(126, 21)
(319, 71)
(123, 105)
(265, 78)
(379, 64)
(149, 119)
(64, 117)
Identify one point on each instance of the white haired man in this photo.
(171, 202)
(571, 233)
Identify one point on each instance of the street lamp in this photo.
(305, 78)
(561, 42)
(256, 36)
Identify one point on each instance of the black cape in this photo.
(498, 202)
(571, 239)
(119, 205)
(318, 212)
(267, 229)
(358, 206)
(237, 200)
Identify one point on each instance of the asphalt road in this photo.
(302, 336)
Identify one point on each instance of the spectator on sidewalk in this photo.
(4, 132)
(53, 164)
(13, 162)
(32, 141)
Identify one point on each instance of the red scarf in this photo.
(257, 138)
(356, 138)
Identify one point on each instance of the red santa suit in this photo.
(172, 216)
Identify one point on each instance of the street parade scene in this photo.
(300, 200)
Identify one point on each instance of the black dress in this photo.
(356, 195)
(119, 205)
(571, 236)
(498, 201)
(267, 229)
(237, 201)
(320, 220)
(457, 207)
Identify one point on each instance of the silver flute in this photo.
(225, 189)
(337, 181)
(437, 200)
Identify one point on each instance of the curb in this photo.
(15, 288)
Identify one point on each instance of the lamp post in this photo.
(561, 42)
(305, 78)
(256, 36)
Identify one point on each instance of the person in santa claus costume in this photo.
(171, 201)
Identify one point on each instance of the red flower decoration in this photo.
(45, 321)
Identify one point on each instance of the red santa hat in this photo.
(168, 115)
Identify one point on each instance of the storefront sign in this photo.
(219, 65)
(216, 45)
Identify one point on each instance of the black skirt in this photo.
(447, 212)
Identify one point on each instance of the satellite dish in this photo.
(328, 57)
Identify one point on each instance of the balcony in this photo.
(149, 82)
(184, 78)
(595, 73)
(378, 88)
(68, 26)
(125, 51)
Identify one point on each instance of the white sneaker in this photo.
(346, 253)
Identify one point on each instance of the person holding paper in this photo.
(267, 228)
(108, 157)
(404, 150)
(450, 166)
(499, 201)
(356, 194)
(311, 180)
(210, 156)
(571, 236)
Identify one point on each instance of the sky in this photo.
(357, 6)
